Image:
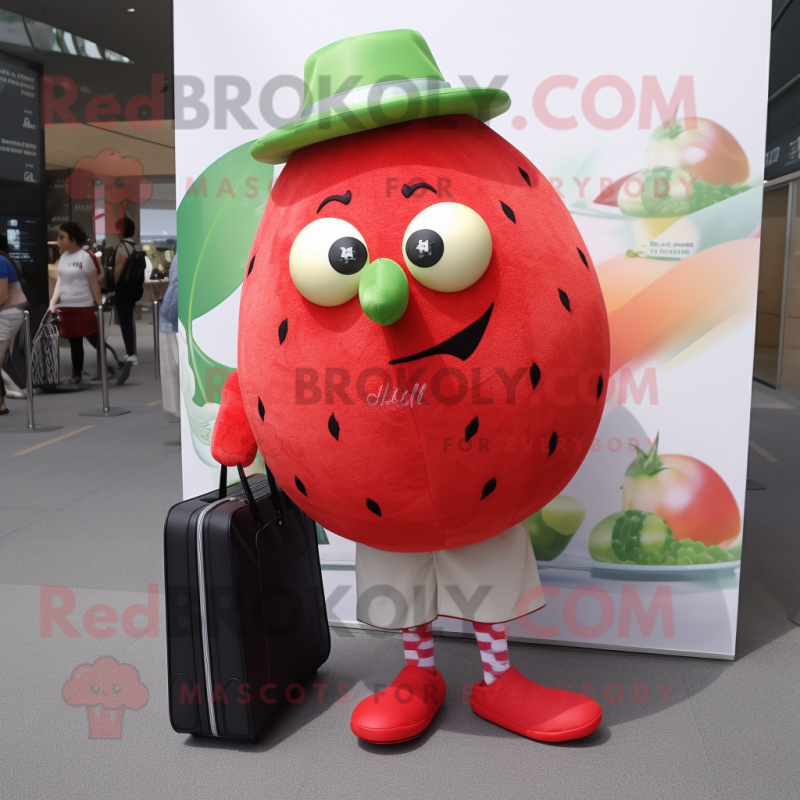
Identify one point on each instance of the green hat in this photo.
(368, 82)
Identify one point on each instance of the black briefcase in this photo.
(246, 617)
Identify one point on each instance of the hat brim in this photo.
(278, 145)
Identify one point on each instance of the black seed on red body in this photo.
(260, 409)
(374, 507)
(508, 212)
(583, 258)
(283, 328)
(525, 176)
(599, 386)
(333, 427)
(536, 374)
(252, 262)
(471, 430)
(490, 486)
(562, 295)
(553, 443)
(299, 484)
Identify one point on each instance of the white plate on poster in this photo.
(636, 571)
(684, 571)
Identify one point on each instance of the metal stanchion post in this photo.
(156, 350)
(100, 346)
(101, 336)
(98, 378)
(26, 321)
(31, 426)
(106, 410)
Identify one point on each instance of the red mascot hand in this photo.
(232, 441)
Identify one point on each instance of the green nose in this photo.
(383, 291)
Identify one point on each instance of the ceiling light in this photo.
(131, 10)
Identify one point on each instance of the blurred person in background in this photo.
(97, 257)
(168, 344)
(126, 295)
(77, 294)
(14, 388)
(5, 252)
(12, 301)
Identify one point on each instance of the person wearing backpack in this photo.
(95, 260)
(129, 270)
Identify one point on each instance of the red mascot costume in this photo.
(423, 356)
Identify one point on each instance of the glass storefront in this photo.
(769, 315)
(790, 362)
(88, 138)
(777, 355)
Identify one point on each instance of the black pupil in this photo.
(424, 248)
(347, 255)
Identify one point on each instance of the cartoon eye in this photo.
(116, 688)
(326, 259)
(94, 688)
(119, 183)
(447, 247)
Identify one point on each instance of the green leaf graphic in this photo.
(217, 221)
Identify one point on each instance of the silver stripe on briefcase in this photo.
(201, 578)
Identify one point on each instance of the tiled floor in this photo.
(84, 517)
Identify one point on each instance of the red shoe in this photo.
(549, 715)
(402, 710)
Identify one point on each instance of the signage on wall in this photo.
(782, 156)
(21, 233)
(20, 156)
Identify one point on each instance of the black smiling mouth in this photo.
(461, 345)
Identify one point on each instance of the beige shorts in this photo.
(493, 581)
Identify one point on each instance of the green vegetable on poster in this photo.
(637, 537)
(667, 192)
(551, 529)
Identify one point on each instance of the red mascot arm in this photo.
(232, 441)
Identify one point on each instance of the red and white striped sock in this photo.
(418, 646)
(494, 649)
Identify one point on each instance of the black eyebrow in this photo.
(409, 190)
(339, 198)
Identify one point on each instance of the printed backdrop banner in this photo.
(650, 123)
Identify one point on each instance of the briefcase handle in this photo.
(248, 492)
